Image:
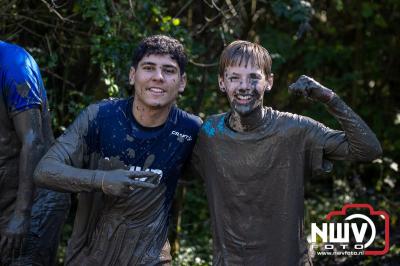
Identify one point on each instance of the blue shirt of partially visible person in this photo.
(21, 91)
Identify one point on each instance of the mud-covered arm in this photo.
(62, 168)
(356, 141)
(28, 127)
(29, 131)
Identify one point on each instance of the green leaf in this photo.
(176, 21)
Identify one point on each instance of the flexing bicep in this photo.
(361, 143)
(356, 142)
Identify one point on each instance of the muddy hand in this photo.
(120, 182)
(13, 235)
(145, 179)
(310, 88)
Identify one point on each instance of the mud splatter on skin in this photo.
(150, 116)
(139, 113)
(244, 109)
(249, 122)
(250, 116)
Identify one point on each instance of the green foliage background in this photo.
(84, 49)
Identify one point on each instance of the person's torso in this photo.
(133, 230)
(254, 185)
(122, 143)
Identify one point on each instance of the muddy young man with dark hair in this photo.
(254, 160)
(30, 219)
(124, 157)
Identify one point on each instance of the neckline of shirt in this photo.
(148, 132)
(267, 119)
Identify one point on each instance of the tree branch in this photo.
(52, 10)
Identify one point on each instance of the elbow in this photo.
(373, 152)
(43, 174)
(47, 175)
(379, 150)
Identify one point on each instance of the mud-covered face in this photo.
(157, 81)
(245, 87)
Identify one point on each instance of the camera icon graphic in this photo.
(360, 233)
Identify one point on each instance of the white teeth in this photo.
(241, 97)
(156, 90)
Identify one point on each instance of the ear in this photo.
(270, 82)
(221, 84)
(182, 83)
(132, 73)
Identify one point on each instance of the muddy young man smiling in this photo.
(254, 160)
(123, 157)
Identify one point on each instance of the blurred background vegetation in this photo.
(84, 49)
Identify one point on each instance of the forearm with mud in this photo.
(362, 142)
(54, 174)
(29, 156)
(28, 127)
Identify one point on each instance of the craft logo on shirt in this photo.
(357, 229)
(181, 137)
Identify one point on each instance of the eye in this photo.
(233, 79)
(170, 71)
(255, 77)
(148, 67)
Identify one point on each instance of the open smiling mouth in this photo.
(243, 98)
(156, 90)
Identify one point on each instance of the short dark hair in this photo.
(243, 51)
(160, 45)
